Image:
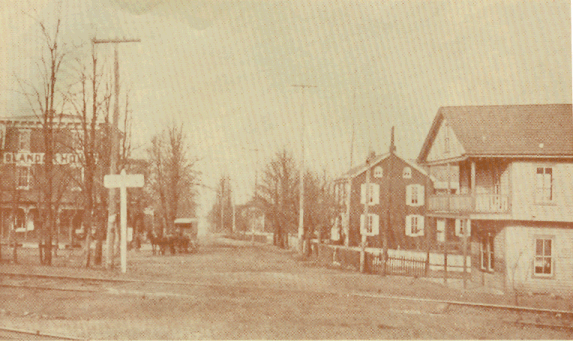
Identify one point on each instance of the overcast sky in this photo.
(225, 69)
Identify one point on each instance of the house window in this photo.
(544, 184)
(446, 137)
(486, 252)
(373, 194)
(414, 225)
(407, 173)
(24, 175)
(370, 227)
(543, 263)
(378, 172)
(24, 140)
(414, 195)
(2, 136)
(463, 228)
(441, 230)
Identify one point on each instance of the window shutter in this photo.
(420, 225)
(409, 195)
(420, 195)
(362, 224)
(363, 194)
(375, 193)
(408, 225)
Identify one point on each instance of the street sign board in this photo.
(128, 180)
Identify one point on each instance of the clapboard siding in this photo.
(523, 184)
(520, 253)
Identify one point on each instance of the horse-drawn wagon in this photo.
(187, 228)
(182, 239)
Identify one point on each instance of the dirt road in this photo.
(233, 290)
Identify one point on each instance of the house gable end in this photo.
(445, 145)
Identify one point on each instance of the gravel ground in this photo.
(234, 290)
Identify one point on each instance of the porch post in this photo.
(449, 178)
(346, 224)
(446, 251)
(466, 230)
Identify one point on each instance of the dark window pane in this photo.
(547, 247)
(539, 247)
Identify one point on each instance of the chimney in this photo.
(392, 146)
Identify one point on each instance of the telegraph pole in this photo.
(111, 207)
(301, 176)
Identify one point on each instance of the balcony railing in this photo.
(480, 203)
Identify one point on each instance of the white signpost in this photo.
(123, 181)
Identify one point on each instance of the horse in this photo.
(159, 244)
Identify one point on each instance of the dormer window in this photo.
(378, 172)
(24, 140)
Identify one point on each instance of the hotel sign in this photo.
(38, 158)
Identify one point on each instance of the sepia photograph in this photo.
(286, 169)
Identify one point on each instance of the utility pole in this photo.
(111, 207)
(301, 176)
(388, 208)
(365, 221)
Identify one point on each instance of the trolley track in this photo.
(19, 334)
(97, 285)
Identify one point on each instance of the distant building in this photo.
(22, 159)
(504, 177)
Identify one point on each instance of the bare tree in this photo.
(91, 106)
(320, 206)
(277, 195)
(46, 101)
(172, 175)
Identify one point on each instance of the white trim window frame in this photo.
(23, 177)
(2, 136)
(378, 172)
(463, 228)
(544, 180)
(543, 259)
(414, 225)
(407, 173)
(373, 226)
(415, 195)
(441, 230)
(487, 252)
(374, 194)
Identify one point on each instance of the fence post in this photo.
(446, 255)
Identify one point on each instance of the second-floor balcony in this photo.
(479, 203)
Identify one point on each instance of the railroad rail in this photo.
(37, 333)
(555, 312)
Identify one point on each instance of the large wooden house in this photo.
(396, 201)
(506, 182)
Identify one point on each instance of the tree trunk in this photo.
(88, 240)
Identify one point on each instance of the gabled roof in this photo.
(533, 130)
(357, 170)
